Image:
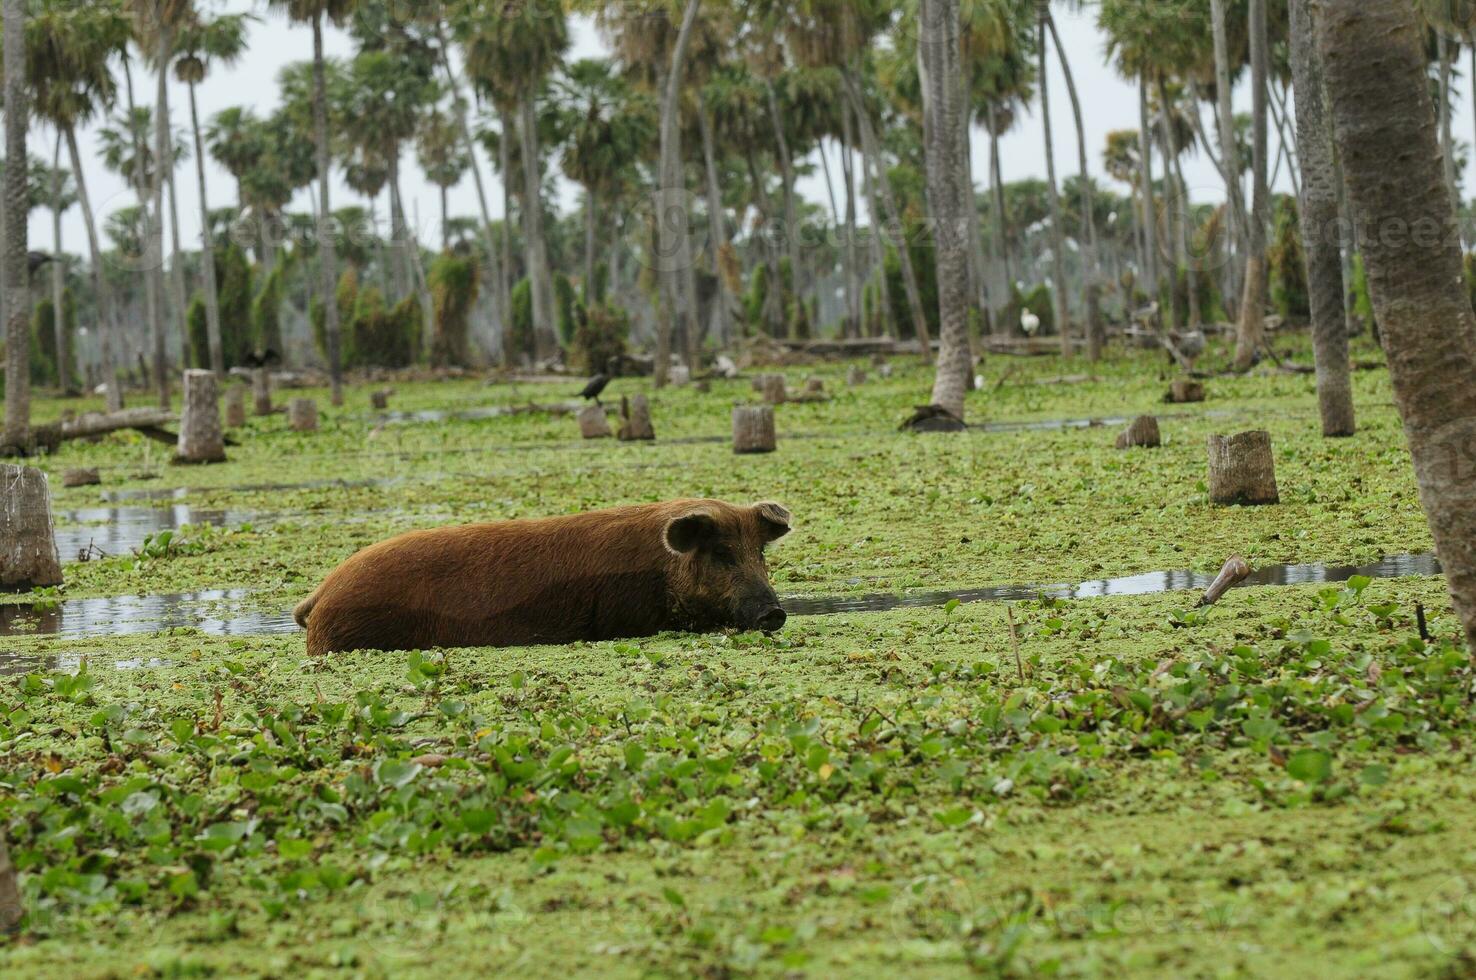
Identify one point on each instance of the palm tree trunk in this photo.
(1096, 330)
(411, 243)
(1225, 116)
(17, 215)
(106, 311)
(156, 227)
(207, 257)
(1253, 300)
(1059, 292)
(938, 57)
(893, 219)
(878, 251)
(1150, 211)
(176, 272)
(1447, 137)
(797, 326)
(504, 283)
(153, 288)
(852, 258)
(469, 146)
(773, 310)
(716, 225)
(1285, 128)
(1179, 207)
(1000, 232)
(58, 276)
(589, 247)
(545, 331)
(1319, 203)
(1385, 128)
(675, 243)
(401, 276)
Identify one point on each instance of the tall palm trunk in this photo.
(327, 240)
(939, 59)
(1225, 115)
(893, 218)
(773, 312)
(1384, 124)
(58, 276)
(1096, 330)
(106, 311)
(1319, 203)
(411, 243)
(796, 318)
(504, 284)
(1150, 211)
(589, 247)
(400, 274)
(156, 227)
(888, 319)
(17, 215)
(1059, 292)
(177, 291)
(545, 331)
(1253, 298)
(1000, 229)
(153, 263)
(717, 231)
(1179, 209)
(207, 256)
(674, 241)
(852, 258)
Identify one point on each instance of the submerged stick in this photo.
(1420, 619)
(1015, 642)
(1236, 570)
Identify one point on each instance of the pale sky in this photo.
(1109, 103)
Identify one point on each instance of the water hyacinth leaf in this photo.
(394, 772)
(1310, 766)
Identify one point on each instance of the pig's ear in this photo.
(774, 520)
(689, 532)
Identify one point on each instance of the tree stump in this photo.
(679, 375)
(235, 407)
(592, 423)
(856, 377)
(81, 478)
(814, 386)
(774, 390)
(635, 419)
(1143, 432)
(261, 391)
(201, 439)
(1242, 469)
(753, 429)
(379, 400)
(1183, 392)
(28, 556)
(302, 415)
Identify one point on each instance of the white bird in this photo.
(978, 382)
(1029, 323)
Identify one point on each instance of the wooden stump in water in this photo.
(81, 478)
(302, 415)
(774, 390)
(261, 391)
(856, 377)
(379, 400)
(1143, 432)
(1242, 469)
(201, 439)
(235, 407)
(28, 555)
(635, 419)
(1182, 392)
(753, 429)
(592, 423)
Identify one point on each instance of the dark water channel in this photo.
(122, 530)
(218, 612)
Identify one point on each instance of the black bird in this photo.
(35, 260)
(262, 359)
(595, 387)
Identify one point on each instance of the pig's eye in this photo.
(724, 556)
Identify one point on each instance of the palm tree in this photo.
(61, 197)
(1319, 212)
(17, 216)
(314, 12)
(1386, 135)
(608, 126)
(1253, 298)
(948, 196)
(439, 150)
(509, 58)
(1059, 291)
(205, 41)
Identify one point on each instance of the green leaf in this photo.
(1310, 766)
(394, 772)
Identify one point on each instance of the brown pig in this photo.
(690, 565)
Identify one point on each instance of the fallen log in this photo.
(47, 438)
